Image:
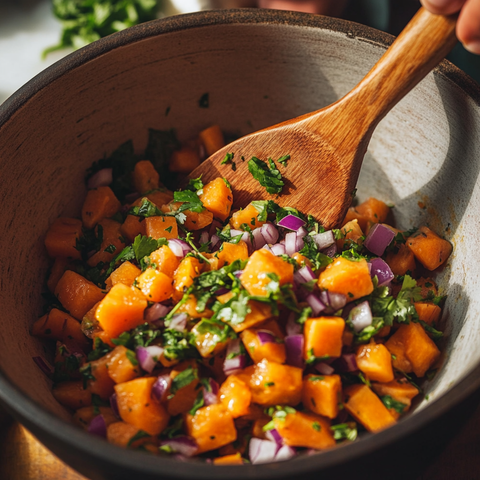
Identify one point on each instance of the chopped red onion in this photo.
(301, 232)
(179, 247)
(294, 349)
(333, 301)
(178, 322)
(235, 360)
(155, 312)
(291, 222)
(378, 239)
(324, 368)
(265, 336)
(102, 178)
(270, 233)
(292, 327)
(315, 303)
(361, 316)
(324, 240)
(204, 237)
(98, 426)
(114, 405)
(214, 387)
(182, 444)
(346, 363)
(381, 269)
(213, 228)
(210, 396)
(44, 366)
(148, 356)
(306, 273)
(160, 387)
(236, 233)
(262, 451)
(258, 239)
(290, 243)
(274, 436)
(238, 273)
(266, 247)
(285, 453)
(278, 249)
(299, 243)
(331, 251)
(214, 242)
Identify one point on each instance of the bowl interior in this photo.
(258, 69)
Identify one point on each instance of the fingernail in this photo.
(473, 46)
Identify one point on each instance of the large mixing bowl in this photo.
(259, 68)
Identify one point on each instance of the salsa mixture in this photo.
(183, 328)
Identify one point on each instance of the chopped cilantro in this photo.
(266, 174)
(315, 378)
(86, 372)
(283, 160)
(310, 250)
(146, 209)
(199, 403)
(195, 184)
(344, 431)
(100, 348)
(390, 402)
(110, 249)
(269, 384)
(184, 378)
(191, 201)
(139, 435)
(131, 357)
(316, 426)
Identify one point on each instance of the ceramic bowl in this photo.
(259, 68)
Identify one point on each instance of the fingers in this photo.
(444, 7)
(468, 26)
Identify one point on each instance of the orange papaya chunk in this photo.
(160, 196)
(58, 269)
(396, 346)
(212, 139)
(193, 220)
(84, 416)
(235, 396)
(352, 278)
(273, 384)
(183, 397)
(351, 231)
(375, 361)
(126, 273)
(362, 220)
(428, 288)
(248, 216)
(217, 197)
(211, 427)
(155, 285)
(400, 390)
(419, 348)
(322, 394)
(72, 394)
(161, 227)
(323, 337)
(100, 203)
(184, 160)
(272, 351)
(374, 210)
(121, 434)
(187, 271)
(428, 312)
(231, 252)
(120, 367)
(254, 277)
(137, 407)
(367, 408)
(208, 337)
(402, 262)
(121, 310)
(233, 459)
(164, 260)
(77, 294)
(301, 260)
(61, 238)
(99, 381)
(190, 308)
(305, 430)
(133, 226)
(145, 177)
(429, 249)
(112, 243)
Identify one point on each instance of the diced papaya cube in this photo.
(429, 249)
(352, 214)
(399, 390)
(374, 210)
(214, 263)
(77, 294)
(212, 139)
(160, 196)
(272, 351)
(161, 227)
(274, 384)
(193, 220)
(383, 332)
(305, 430)
(351, 231)
(187, 271)
(72, 394)
(165, 260)
(120, 367)
(348, 337)
(112, 243)
(401, 262)
(428, 312)
(103, 336)
(99, 203)
(301, 260)
(58, 269)
(396, 346)
(126, 273)
(375, 361)
(235, 396)
(428, 287)
(231, 252)
(217, 197)
(323, 337)
(190, 308)
(133, 226)
(145, 177)
(352, 278)
(121, 434)
(121, 310)
(367, 408)
(99, 381)
(419, 348)
(248, 216)
(183, 391)
(262, 262)
(209, 337)
(322, 393)
(155, 285)
(184, 160)
(259, 312)
(138, 408)
(61, 238)
(84, 416)
(212, 427)
(233, 459)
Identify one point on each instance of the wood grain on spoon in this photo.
(327, 146)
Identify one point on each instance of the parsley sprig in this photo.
(267, 175)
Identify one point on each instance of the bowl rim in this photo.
(40, 420)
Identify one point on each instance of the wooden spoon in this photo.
(327, 146)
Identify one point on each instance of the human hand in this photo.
(468, 25)
(333, 8)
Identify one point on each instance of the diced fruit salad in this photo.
(183, 328)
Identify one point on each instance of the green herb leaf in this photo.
(191, 201)
(344, 431)
(266, 174)
(139, 435)
(100, 349)
(184, 378)
(199, 403)
(390, 402)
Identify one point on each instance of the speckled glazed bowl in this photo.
(259, 67)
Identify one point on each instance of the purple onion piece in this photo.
(299, 243)
(290, 243)
(324, 240)
(315, 303)
(301, 232)
(182, 444)
(381, 269)
(262, 451)
(346, 363)
(258, 239)
(294, 345)
(307, 274)
(155, 312)
(285, 453)
(178, 322)
(214, 242)
(160, 387)
(378, 239)
(213, 228)
(98, 426)
(270, 233)
(102, 178)
(114, 405)
(204, 237)
(292, 327)
(266, 247)
(331, 251)
(324, 368)
(278, 249)
(148, 356)
(179, 247)
(265, 336)
(274, 436)
(209, 398)
(236, 233)
(214, 387)
(45, 367)
(333, 301)
(238, 273)
(235, 360)
(291, 222)
(361, 316)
